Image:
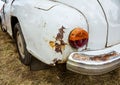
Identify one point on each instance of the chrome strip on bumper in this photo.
(94, 63)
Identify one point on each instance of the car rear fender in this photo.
(41, 28)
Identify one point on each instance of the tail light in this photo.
(78, 38)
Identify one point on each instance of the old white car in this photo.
(84, 34)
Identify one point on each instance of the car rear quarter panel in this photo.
(96, 19)
(41, 27)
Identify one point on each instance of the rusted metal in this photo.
(55, 61)
(80, 57)
(103, 57)
(52, 44)
(59, 44)
(60, 34)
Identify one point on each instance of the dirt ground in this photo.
(12, 72)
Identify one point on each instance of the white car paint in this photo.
(96, 21)
(1, 5)
(43, 26)
(41, 20)
(112, 10)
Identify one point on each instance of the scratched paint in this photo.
(59, 44)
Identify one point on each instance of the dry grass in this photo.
(12, 72)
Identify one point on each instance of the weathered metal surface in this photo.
(96, 21)
(102, 57)
(40, 20)
(43, 37)
(59, 44)
(105, 57)
(95, 62)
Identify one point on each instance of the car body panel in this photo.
(42, 33)
(96, 20)
(42, 21)
(6, 15)
(112, 10)
(1, 5)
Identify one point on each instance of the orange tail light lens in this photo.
(78, 38)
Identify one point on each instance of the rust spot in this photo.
(52, 44)
(60, 34)
(102, 57)
(80, 57)
(56, 61)
(58, 48)
(59, 44)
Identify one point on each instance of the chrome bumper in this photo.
(93, 62)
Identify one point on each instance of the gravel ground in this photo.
(12, 72)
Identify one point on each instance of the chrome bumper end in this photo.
(97, 64)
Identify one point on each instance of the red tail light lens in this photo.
(78, 38)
